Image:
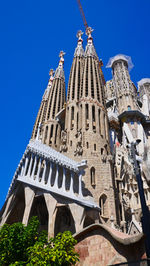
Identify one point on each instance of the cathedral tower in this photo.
(87, 125)
(125, 90)
(52, 102)
(73, 96)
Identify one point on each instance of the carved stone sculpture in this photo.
(63, 147)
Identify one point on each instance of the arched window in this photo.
(103, 205)
(92, 173)
(129, 107)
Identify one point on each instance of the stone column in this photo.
(51, 205)
(22, 167)
(71, 183)
(39, 168)
(44, 172)
(56, 178)
(64, 179)
(80, 184)
(26, 163)
(34, 166)
(9, 202)
(50, 174)
(78, 215)
(30, 165)
(29, 196)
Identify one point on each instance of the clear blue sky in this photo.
(32, 33)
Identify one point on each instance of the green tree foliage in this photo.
(24, 245)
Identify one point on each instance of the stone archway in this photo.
(64, 220)
(39, 209)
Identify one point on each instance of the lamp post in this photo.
(145, 211)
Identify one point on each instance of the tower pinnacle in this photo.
(79, 35)
(89, 30)
(79, 51)
(51, 74)
(59, 73)
(61, 55)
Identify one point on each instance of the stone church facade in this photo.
(76, 170)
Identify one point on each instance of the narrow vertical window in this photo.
(99, 121)
(93, 118)
(46, 131)
(103, 205)
(77, 120)
(78, 80)
(56, 134)
(87, 116)
(51, 134)
(92, 173)
(86, 81)
(72, 117)
(92, 82)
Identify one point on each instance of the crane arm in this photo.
(82, 14)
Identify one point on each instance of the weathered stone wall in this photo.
(100, 246)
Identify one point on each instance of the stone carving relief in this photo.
(104, 154)
(79, 149)
(63, 146)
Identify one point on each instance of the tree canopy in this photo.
(25, 245)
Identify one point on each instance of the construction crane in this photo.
(86, 27)
(82, 14)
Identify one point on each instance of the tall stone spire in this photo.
(40, 119)
(73, 95)
(76, 70)
(125, 90)
(92, 85)
(87, 126)
(54, 99)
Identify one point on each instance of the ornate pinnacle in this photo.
(61, 55)
(51, 73)
(89, 30)
(79, 35)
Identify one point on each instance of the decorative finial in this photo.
(61, 55)
(79, 35)
(89, 30)
(51, 73)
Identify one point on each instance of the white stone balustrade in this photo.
(44, 168)
(34, 171)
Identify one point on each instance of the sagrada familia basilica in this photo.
(77, 171)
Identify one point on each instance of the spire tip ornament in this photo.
(89, 30)
(61, 55)
(79, 35)
(51, 73)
